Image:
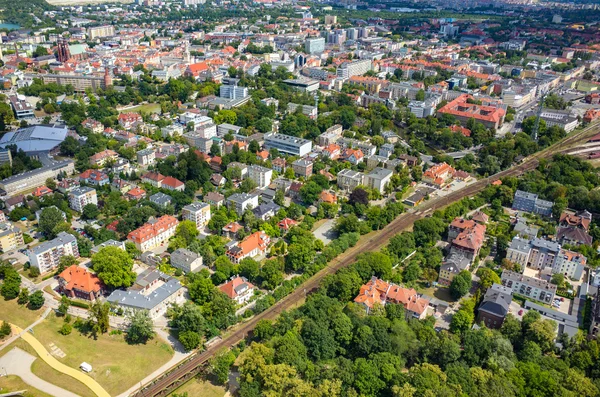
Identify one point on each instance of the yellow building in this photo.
(11, 237)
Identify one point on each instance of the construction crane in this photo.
(538, 116)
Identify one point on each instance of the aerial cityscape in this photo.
(301, 199)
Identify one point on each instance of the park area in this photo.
(116, 364)
(145, 108)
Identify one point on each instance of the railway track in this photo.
(174, 377)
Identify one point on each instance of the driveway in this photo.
(18, 362)
(325, 232)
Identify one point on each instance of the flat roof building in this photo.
(288, 144)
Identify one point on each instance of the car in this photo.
(562, 299)
(521, 312)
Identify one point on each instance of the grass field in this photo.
(49, 374)
(12, 383)
(117, 365)
(147, 108)
(19, 315)
(200, 387)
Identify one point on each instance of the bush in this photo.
(189, 339)
(5, 329)
(66, 329)
(34, 272)
(80, 304)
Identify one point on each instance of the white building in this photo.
(146, 157)
(197, 212)
(348, 179)
(570, 264)
(260, 175)
(242, 201)
(47, 255)
(186, 260)
(288, 144)
(354, 68)
(82, 196)
(153, 233)
(529, 287)
(378, 179)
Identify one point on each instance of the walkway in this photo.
(57, 365)
(17, 335)
(18, 362)
(180, 355)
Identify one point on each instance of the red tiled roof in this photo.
(79, 278)
(150, 230)
(229, 288)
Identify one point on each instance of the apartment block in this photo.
(47, 255)
(530, 202)
(570, 264)
(82, 196)
(288, 144)
(197, 212)
(146, 157)
(378, 179)
(260, 175)
(348, 179)
(240, 202)
(302, 168)
(529, 287)
(154, 233)
(11, 237)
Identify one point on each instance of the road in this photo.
(163, 385)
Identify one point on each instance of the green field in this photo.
(117, 365)
(146, 108)
(12, 383)
(200, 387)
(16, 314)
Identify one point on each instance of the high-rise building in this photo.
(101, 31)
(11, 237)
(354, 68)
(314, 46)
(197, 212)
(82, 196)
(46, 256)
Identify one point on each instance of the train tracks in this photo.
(174, 377)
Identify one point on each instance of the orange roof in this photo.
(263, 154)
(287, 223)
(136, 192)
(471, 238)
(41, 191)
(457, 128)
(79, 278)
(232, 227)
(153, 176)
(196, 68)
(257, 240)
(231, 287)
(460, 107)
(327, 197)
(379, 291)
(172, 182)
(152, 229)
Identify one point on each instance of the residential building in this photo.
(438, 174)
(378, 179)
(213, 198)
(101, 31)
(379, 292)
(152, 291)
(186, 260)
(153, 233)
(529, 287)
(80, 83)
(314, 46)
(543, 254)
(225, 128)
(561, 118)
(288, 144)
(454, 263)
(240, 202)
(161, 199)
(266, 211)
(422, 109)
(11, 237)
(279, 164)
(348, 179)
(469, 239)
(302, 167)
(135, 194)
(46, 256)
(108, 243)
(77, 282)
(197, 212)
(22, 108)
(570, 264)
(230, 230)
(146, 157)
(165, 182)
(519, 251)
(100, 159)
(494, 306)
(82, 196)
(354, 156)
(464, 108)
(354, 68)
(573, 228)
(250, 247)
(94, 177)
(260, 175)
(530, 202)
(38, 213)
(307, 110)
(331, 135)
(238, 289)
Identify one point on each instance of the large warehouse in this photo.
(35, 140)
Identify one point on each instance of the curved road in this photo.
(164, 384)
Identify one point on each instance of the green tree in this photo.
(461, 284)
(189, 340)
(23, 298)
(271, 274)
(99, 317)
(36, 300)
(66, 261)
(90, 211)
(141, 327)
(49, 219)
(249, 268)
(63, 307)
(187, 230)
(220, 364)
(114, 267)
(200, 290)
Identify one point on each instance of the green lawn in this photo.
(117, 365)
(49, 374)
(200, 387)
(147, 108)
(19, 315)
(12, 383)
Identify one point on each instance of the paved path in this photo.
(18, 362)
(60, 367)
(17, 335)
(180, 355)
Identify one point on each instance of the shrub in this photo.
(66, 329)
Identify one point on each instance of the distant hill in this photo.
(19, 12)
